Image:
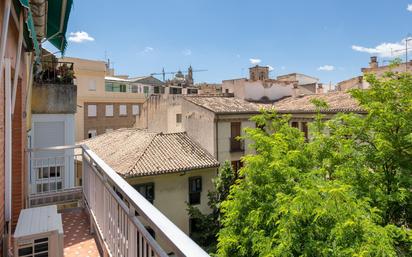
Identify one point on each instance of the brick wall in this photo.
(1, 165)
(100, 123)
(18, 153)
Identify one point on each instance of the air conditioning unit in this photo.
(39, 233)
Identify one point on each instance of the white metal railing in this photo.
(120, 215)
(54, 175)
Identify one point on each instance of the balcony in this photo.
(111, 212)
(236, 145)
(54, 91)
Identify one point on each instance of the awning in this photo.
(57, 17)
(29, 30)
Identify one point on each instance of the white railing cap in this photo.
(182, 243)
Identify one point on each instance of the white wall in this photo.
(54, 130)
(255, 90)
(199, 125)
(303, 79)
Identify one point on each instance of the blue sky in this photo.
(315, 37)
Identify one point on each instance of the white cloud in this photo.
(255, 61)
(80, 36)
(270, 67)
(327, 68)
(187, 52)
(385, 49)
(409, 8)
(148, 49)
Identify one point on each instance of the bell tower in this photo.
(259, 73)
(190, 75)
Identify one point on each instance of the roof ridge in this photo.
(143, 153)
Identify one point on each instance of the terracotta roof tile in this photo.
(337, 102)
(218, 104)
(134, 152)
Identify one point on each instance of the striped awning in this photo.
(58, 12)
(29, 30)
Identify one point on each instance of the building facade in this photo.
(376, 69)
(104, 103)
(260, 88)
(169, 169)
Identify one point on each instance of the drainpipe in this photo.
(7, 139)
(217, 138)
(4, 31)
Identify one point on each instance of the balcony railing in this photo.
(119, 214)
(54, 72)
(236, 145)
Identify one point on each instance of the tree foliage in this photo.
(346, 192)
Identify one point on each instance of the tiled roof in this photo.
(134, 152)
(220, 105)
(337, 102)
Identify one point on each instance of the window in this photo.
(49, 178)
(109, 110)
(236, 165)
(156, 90)
(92, 85)
(147, 190)
(175, 91)
(305, 130)
(49, 172)
(179, 118)
(195, 189)
(123, 110)
(235, 144)
(295, 124)
(114, 87)
(227, 91)
(192, 91)
(146, 90)
(109, 86)
(91, 110)
(91, 133)
(135, 109)
(135, 89)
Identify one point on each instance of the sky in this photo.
(328, 39)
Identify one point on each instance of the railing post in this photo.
(132, 233)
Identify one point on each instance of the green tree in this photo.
(210, 224)
(346, 192)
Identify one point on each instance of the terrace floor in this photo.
(78, 241)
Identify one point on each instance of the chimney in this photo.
(295, 91)
(374, 62)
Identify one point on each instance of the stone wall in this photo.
(159, 114)
(54, 98)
